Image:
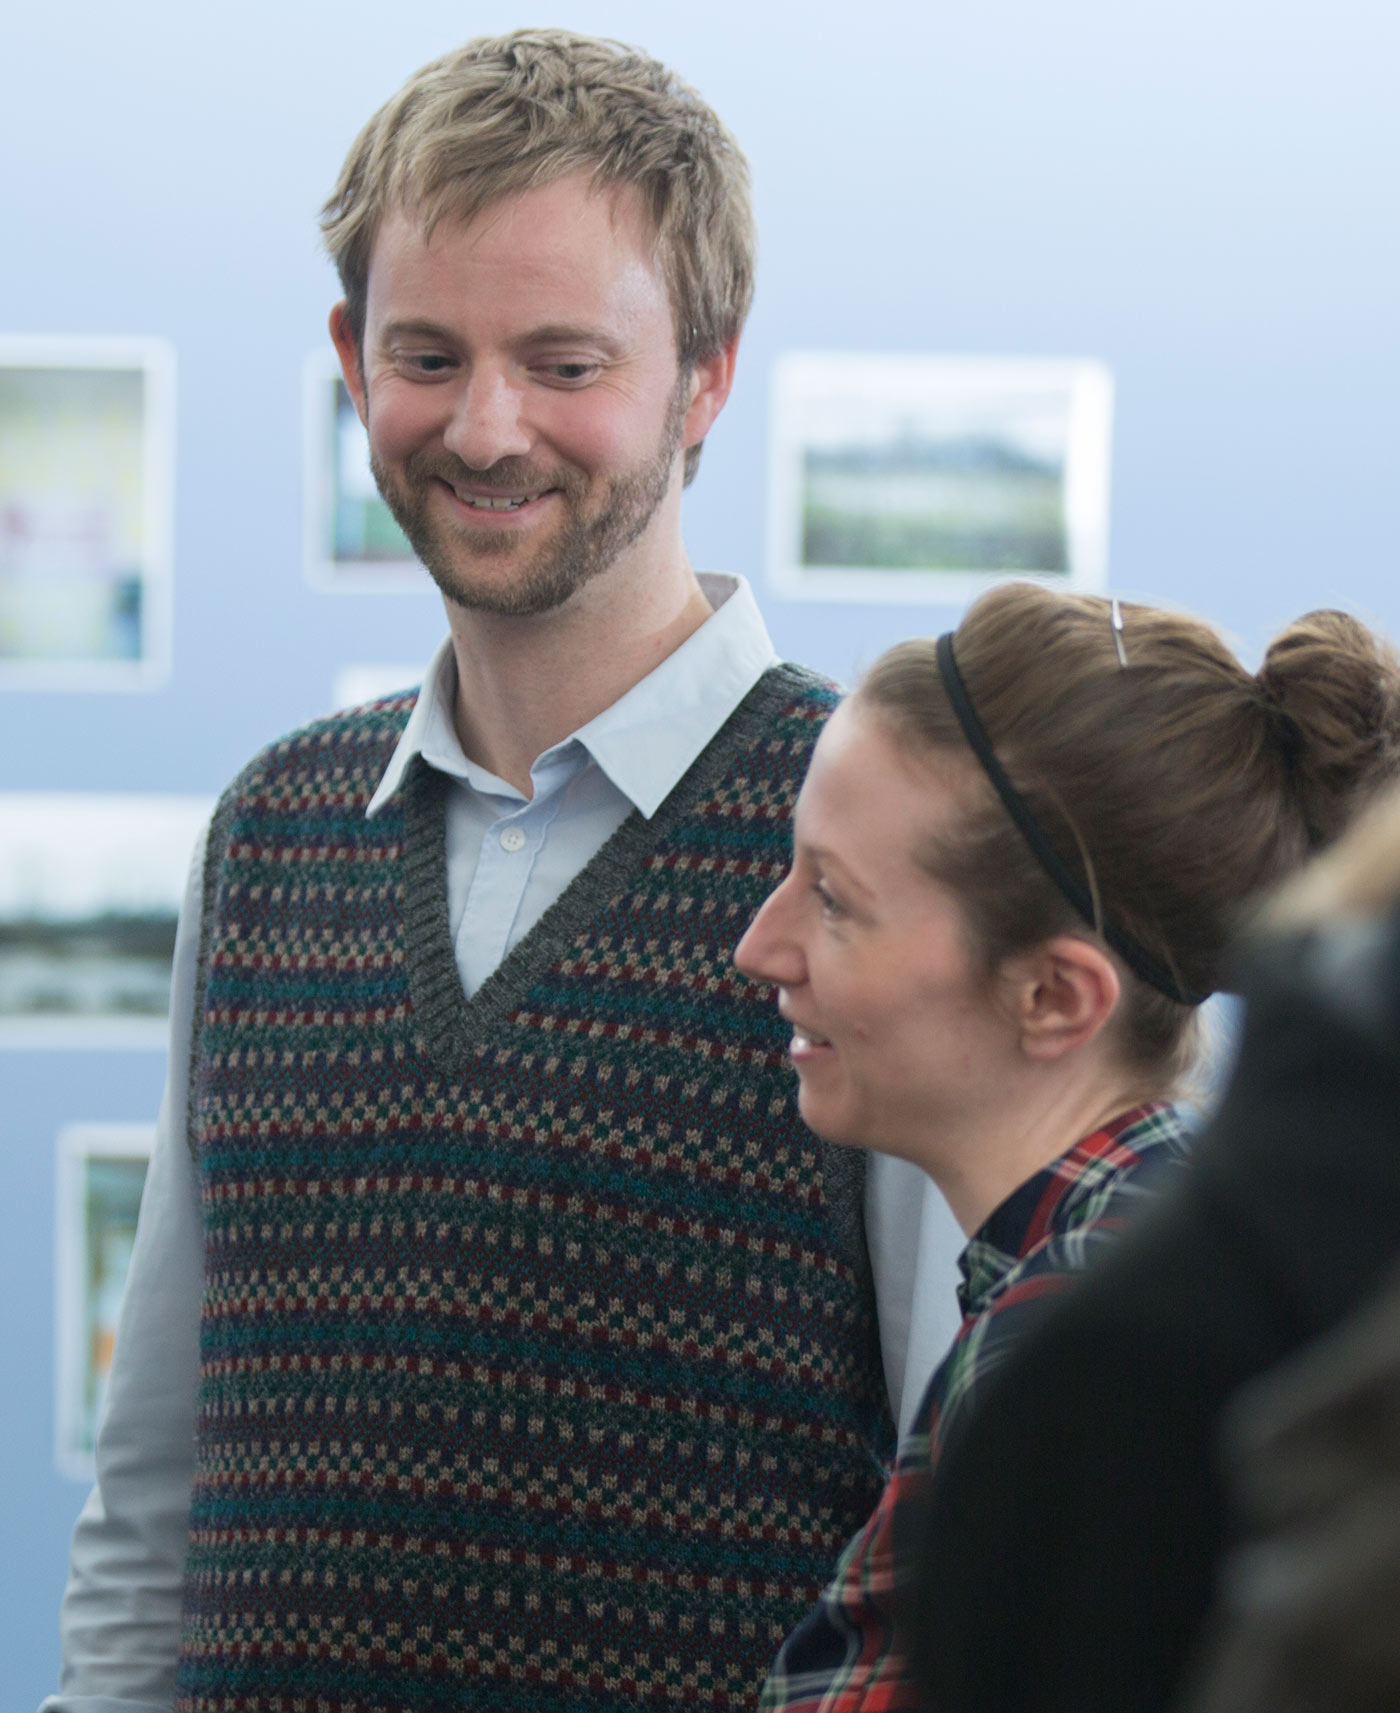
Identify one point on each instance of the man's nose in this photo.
(488, 421)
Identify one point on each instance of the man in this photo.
(497, 1335)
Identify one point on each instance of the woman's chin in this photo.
(826, 1120)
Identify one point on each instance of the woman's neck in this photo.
(994, 1157)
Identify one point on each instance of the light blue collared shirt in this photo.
(508, 856)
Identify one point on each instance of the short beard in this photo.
(581, 549)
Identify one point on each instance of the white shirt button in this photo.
(512, 839)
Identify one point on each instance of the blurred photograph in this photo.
(352, 541)
(90, 892)
(370, 681)
(929, 478)
(101, 1173)
(86, 456)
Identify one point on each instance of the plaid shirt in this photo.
(843, 1657)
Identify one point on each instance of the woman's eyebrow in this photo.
(827, 858)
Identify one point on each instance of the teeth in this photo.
(496, 503)
(804, 1038)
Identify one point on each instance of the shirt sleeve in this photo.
(120, 1625)
(914, 1244)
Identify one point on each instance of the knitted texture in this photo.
(538, 1366)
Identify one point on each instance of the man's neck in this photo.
(524, 684)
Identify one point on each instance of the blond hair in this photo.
(505, 114)
(1174, 787)
(1358, 877)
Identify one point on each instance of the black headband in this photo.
(1136, 956)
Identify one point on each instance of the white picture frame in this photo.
(370, 681)
(926, 478)
(91, 886)
(100, 1175)
(350, 541)
(87, 482)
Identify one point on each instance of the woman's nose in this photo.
(769, 951)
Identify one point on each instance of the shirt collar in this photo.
(649, 737)
(430, 731)
(1050, 1201)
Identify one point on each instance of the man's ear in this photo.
(1064, 993)
(347, 348)
(710, 381)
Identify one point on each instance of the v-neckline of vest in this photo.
(451, 1025)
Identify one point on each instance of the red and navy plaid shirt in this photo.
(843, 1656)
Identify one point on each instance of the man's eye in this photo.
(569, 371)
(421, 362)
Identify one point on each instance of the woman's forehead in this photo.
(867, 799)
(862, 754)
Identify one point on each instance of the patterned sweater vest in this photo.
(539, 1366)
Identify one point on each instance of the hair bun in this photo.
(1335, 688)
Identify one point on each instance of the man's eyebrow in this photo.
(569, 333)
(416, 328)
(552, 333)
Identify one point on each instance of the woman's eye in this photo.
(830, 906)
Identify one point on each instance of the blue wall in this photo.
(1202, 195)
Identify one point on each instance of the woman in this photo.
(1017, 858)
(1076, 1537)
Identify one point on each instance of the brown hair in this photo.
(1176, 785)
(505, 114)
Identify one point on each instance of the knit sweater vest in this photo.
(539, 1366)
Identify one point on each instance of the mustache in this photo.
(506, 475)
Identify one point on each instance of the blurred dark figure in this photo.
(1308, 1619)
(1069, 1548)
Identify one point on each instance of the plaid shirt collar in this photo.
(844, 1657)
(1050, 1202)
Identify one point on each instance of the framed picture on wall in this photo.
(369, 681)
(86, 497)
(90, 893)
(350, 539)
(925, 478)
(101, 1173)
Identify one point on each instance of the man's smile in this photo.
(496, 502)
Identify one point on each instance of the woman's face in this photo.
(897, 1036)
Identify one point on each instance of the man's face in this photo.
(525, 406)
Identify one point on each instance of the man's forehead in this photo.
(566, 253)
(574, 201)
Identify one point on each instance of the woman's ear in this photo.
(1064, 992)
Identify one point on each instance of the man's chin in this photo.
(518, 596)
